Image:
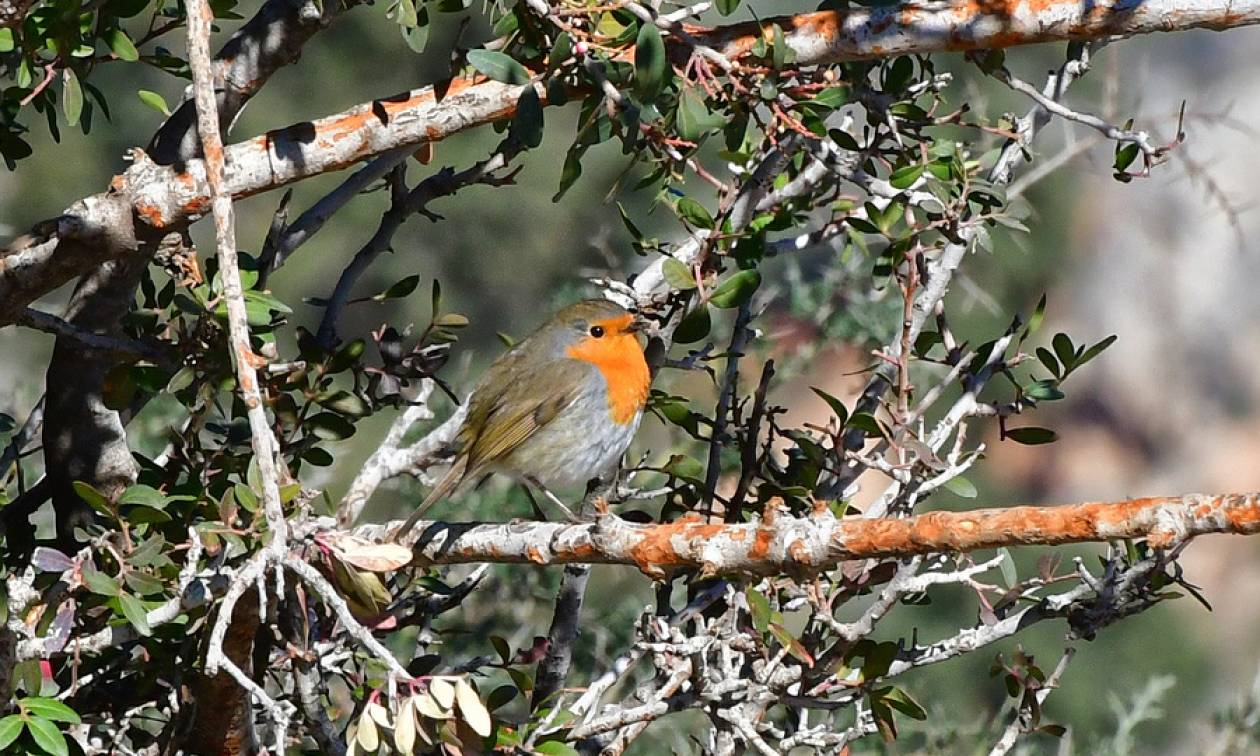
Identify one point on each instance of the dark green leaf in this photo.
(837, 406)
(727, 7)
(1065, 351)
(399, 290)
(1047, 358)
(330, 427)
(498, 66)
(528, 124)
(1031, 435)
(694, 326)
(650, 63)
(1094, 351)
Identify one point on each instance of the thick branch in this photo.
(788, 544)
(163, 196)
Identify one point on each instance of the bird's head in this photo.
(604, 334)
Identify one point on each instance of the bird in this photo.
(557, 409)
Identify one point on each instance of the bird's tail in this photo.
(445, 487)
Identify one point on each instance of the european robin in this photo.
(557, 409)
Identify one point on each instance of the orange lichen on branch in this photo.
(808, 544)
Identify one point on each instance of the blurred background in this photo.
(1168, 263)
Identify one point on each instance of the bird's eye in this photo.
(597, 331)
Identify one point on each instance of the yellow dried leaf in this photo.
(368, 737)
(474, 711)
(428, 708)
(405, 729)
(379, 713)
(443, 692)
(367, 555)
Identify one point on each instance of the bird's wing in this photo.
(527, 399)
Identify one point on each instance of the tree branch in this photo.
(789, 544)
(163, 196)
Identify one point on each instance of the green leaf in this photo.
(143, 495)
(498, 66)
(451, 320)
(71, 96)
(835, 404)
(95, 499)
(694, 119)
(694, 213)
(906, 175)
(678, 275)
(571, 171)
(10, 728)
(650, 62)
(399, 290)
(1032, 435)
(1125, 156)
(832, 98)
(100, 583)
(960, 486)
(555, 748)
(685, 467)
(758, 609)
(48, 737)
(417, 37)
(1047, 358)
(155, 101)
(134, 611)
(736, 290)
(694, 326)
(330, 427)
(727, 7)
(7, 43)
(1043, 391)
(50, 708)
(1065, 351)
(121, 44)
(1094, 351)
(902, 702)
(346, 403)
(1007, 567)
(561, 49)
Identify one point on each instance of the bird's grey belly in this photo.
(580, 443)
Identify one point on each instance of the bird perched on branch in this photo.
(557, 409)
